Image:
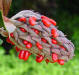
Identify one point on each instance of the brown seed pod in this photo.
(60, 45)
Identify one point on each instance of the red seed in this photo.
(44, 40)
(12, 43)
(39, 58)
(47, 61)
(62, 47)
(34, 18)
(29, 45)
(61, 61)
(9, 41)
(26, 55)
(44, 17)
(53, 41)
(36, 31)
(54, 33)
(25, 42)
(54, 57)
(32, 21)
(22, 19)
(53, 22)
(21, 54)
(46, 22)
(11, 34)
(39, 46)
(17, 49)
(30, 53)
(22, 29)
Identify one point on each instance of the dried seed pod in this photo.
(60, 49)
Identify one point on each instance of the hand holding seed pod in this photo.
(33, 33)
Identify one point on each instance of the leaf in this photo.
(5, 6)
(1, 20)
(1, 41)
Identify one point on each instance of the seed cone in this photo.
(38, 34)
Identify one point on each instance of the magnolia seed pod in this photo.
(39, 36)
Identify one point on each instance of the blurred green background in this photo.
(66, 14)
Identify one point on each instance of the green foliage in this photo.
(1, 41)
(11, 65)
